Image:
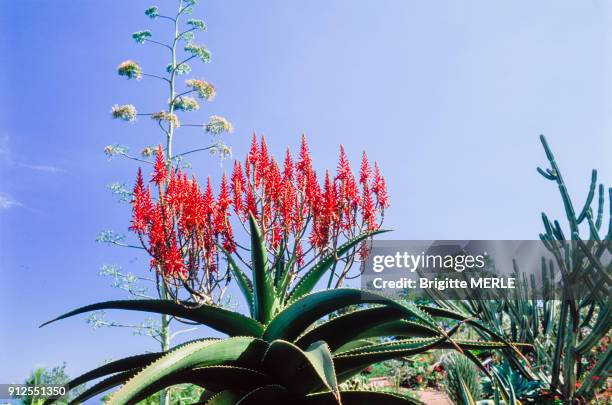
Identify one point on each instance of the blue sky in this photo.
(448, 96)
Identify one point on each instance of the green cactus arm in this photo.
(589, 199)
(597, 376)
(222, 320)
(598, 330)
(567, 202)
(600, 206)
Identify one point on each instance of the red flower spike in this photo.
(139, 186)
(160, 171)
(183, 229)
(238, 182)
(224, 199)
(304, 165)
(365, 171)
(344, 168)
(379, 188)
(288, 166)
(367, 209)
(172, 260)
(263, 162)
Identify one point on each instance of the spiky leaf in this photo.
(222, 320)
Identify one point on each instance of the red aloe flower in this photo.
(379, 188)
(365, 171)
(141, 206)
(344, 168)
(238, 182)
(160, 171)
(292, 205)
(367, 208)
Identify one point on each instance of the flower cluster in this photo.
(198, 51)
(300, 215)
(196, 24)
(204, 89)
(290, 201)
(126, 112)
(182, 227)
(141, 36)
(185, 103)
(114, 150)
(217, 125)
(152, 12)
(130, 69)
(166, 116)
(180, 69)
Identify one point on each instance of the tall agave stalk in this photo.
(180, 49)
(280, 354)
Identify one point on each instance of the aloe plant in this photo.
(280, 353)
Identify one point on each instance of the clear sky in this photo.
(449, 96)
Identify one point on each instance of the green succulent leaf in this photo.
(224, 398)
(301, 371)
(342, 329)
(361, 398)
(102, 386)
(222, 320)
(350, 363)
(308, 282)
(264, 302)
(293, 320)
(245, 285)
(181, 361)
(117, 366)
(268, 394)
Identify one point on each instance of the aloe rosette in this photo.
(282, 353)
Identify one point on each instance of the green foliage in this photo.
(463, 380)
(44, 376)
(564, 328)
(524, 388)
(183, 394)
(278, 355)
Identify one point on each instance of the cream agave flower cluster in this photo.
(181, 100)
